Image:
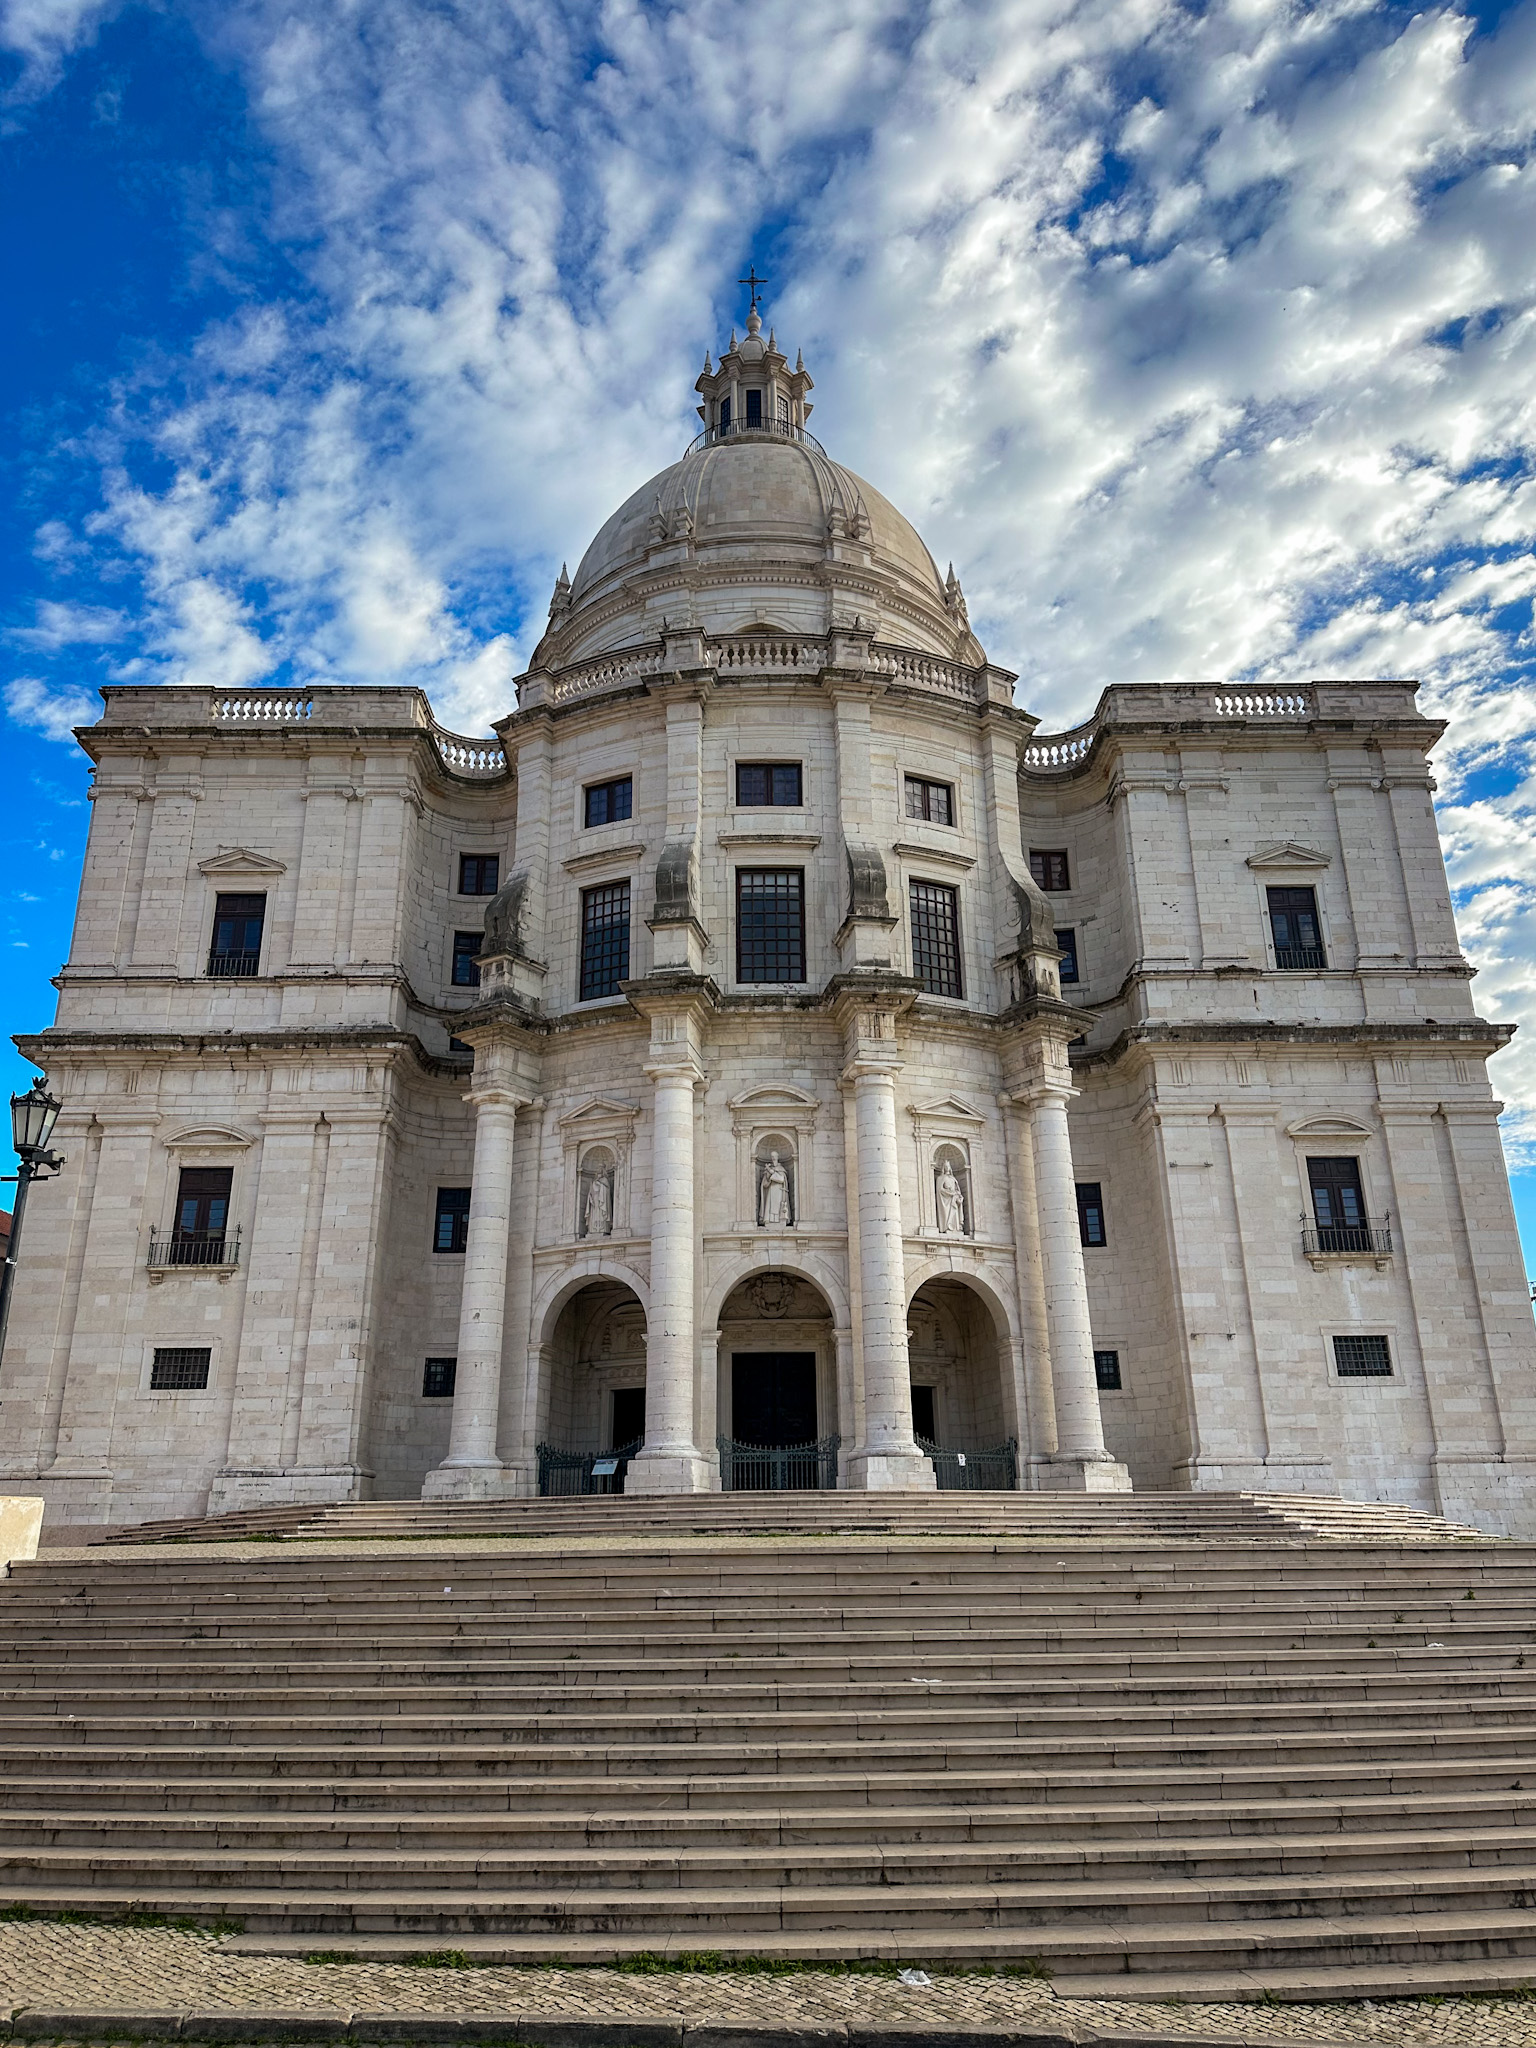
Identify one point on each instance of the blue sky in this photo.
(1202, 337)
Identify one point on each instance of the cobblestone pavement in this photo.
(50, 1967)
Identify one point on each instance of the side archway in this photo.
(964, 1360)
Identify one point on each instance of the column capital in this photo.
(1035, 1049)
(867, 1013)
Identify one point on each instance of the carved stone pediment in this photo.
(1288, 853)
(946, 1109)
(1329, 1127)
(240, 860)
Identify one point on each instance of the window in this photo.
(437, 1379)
(1048, 865)
(202, 1205)
(1362, 1358)
(1090, 1213)
(922, 1415)
(936, 937)
(783, 410)
(1338, 1205)
(237, 923)
(1106, 1371)
(1293, 923)
(458, 1045)
(450, 1232)
(760, 783)
(934, 801)
(770, 924)
(466, 959)
(479, 874)
(1066, 945)
(725, 415)
(604, 940)
(608, 802)
(754, 408)
(180, 1368)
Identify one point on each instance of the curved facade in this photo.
(771, 1060)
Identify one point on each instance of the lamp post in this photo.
(33, 1117)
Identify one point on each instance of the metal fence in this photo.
(194, 1248)
(778, 1468)
(1371, 1235)
(563, 1473)
(994, 1471)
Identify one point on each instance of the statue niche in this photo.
(951, 1198)
(594, 1193)
(775, 1184)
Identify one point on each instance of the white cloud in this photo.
(65, 625)
(42, 33)
(54, 713)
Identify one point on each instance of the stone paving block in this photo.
(119, 2025)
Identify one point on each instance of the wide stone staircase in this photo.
(1205, 1746)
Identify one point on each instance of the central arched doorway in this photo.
(776, 1399)
(592, 1391)
(962, 1413)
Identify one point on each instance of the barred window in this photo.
(466, 959)
(770, 924)
(608, 802)
(936, 938)
(1048, 865)
(768, 783)
(934, 801)
(180, 1368)
(437, 1379)
(479, 874)
(604, 940)
(1090, 1213)
(450, 1229)
(1066, 945)
(1106, 1371)
(1362, 1358)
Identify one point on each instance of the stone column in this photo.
(886, 1455)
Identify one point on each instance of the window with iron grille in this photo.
(202, 1203)
(479, 874)
(934, 801)
(604, 940)
(936, 938)
(1106, 1371)
(783, 411)
(768, 783)
(466, 959)
(1090, 1213)
(754, 408)
(770, 924)
(1048, 865)
(437, 1379)
(1362, 1358)
(605, 803)
(1066, 945)
(235, 949)
(450, 1229)
(1294, 927)
(180, 1368)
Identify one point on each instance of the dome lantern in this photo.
(753, 390)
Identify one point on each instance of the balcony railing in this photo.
(233, 966)
(754, 430)
(1370, 1238)
(206, 1248)
(1291, 959)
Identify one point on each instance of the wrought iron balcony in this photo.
(1370, 1238)
(754, 430)
(210, 1249)
(1291, 959)
(233, 965)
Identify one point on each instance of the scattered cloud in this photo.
(54, 713)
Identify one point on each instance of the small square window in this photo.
(466, 959)
(770, 924)
(606, 803)
(479, 874)
(1066, 945)
(1106, 1371)
(936, 938)
(934, 801)
(768, 784)
(1048, 865)
(235, 949)
(437, 1379)
(180, 1368)
(1362, 1358)
(1090, 1213)
(604, 940)
(450, 1232)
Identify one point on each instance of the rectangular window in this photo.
(202, 1204)
(450, 1231)
(754, 408)
(607, 802)
(770, 924)
(1090, 1213)
(1066, 943)
(783, 411)
(437, 1379)
(934, 801)
(725, 415)
(1048, 865)
(1106, 1371)
(479, 874)
(180, 1368)
(1362, 1358)
(936, 937)
(1293, 924)
(604, 940)
(1338, 1205)
(237, 925)
(466, 959)
(763, 783)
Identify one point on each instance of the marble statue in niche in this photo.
(596, 1199)
(775, 1193)
(949, 1198)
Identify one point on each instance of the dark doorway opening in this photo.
(773, 1397)
(922, 1414)
(628, 1416)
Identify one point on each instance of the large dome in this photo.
(756, 527)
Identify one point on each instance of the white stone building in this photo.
(847, 1061)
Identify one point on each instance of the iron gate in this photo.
(994, 1471)
(571, 1472)
(777, 1468)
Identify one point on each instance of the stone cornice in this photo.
(1475, 1032)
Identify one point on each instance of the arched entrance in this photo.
(961, 1403)
(592, 1390)
(776, 1397)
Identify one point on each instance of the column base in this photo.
(670, 1472)
(468, 1482)
(1081, 1475)
(891, 1472)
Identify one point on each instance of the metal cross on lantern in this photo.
(754, 284)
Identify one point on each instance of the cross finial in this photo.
(754, 284)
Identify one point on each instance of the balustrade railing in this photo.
(1371, 1237)
(193, 1248)
(778, 1468)
(753, 430)
(265, 707)
(469, 757)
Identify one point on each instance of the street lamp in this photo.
(33, 1117)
